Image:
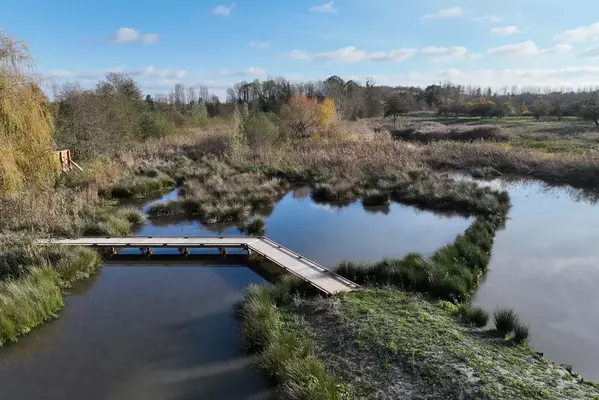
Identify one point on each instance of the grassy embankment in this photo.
(33, 280)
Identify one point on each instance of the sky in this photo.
(393, 42)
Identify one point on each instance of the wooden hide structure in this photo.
(64, 162)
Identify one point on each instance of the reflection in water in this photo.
(329, 233)
(545, 266)
(140, 333)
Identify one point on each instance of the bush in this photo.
(505, 320)
(256, 227)
(301, 116)
(258, 128)
(521, 332)
(155, 125)
(474, 315)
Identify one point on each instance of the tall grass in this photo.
(451, 273)
(28, 302)
(285, 348)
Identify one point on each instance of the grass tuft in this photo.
(521, 332)
(475, 316)
(257, 227)
(505, 321)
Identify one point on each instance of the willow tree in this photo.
(26, 121)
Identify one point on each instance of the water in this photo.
(545, 265)
(153, 331)
(329, 234)
(140, 333)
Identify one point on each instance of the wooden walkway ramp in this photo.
(320, 277)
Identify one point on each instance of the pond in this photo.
(168, 331)
(545, 265)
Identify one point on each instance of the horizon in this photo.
(462, 42)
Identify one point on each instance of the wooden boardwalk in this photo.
(320, 277)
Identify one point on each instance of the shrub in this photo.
(258, 128)
(505, 320)
(256, 227)
(474, 315)
(327, 113)
(155, 125)
(521, 332)
(301, 116)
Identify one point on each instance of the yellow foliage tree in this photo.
(26, 121)
(327, 113)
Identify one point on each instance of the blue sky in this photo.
(216, 43)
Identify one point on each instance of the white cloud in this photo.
(505, 30)
(149, 38)
(527, 49)
(259, 45)
(352, 54)
(253, 72)
(582, 34)
(223, 9)
(592, 52)
(129, 35)
(162, 73)
(453, 12)
(325, 8)
(489, 18)
(444, 52)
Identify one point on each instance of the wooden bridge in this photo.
(308, 270)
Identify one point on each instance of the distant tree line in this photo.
(354, 100)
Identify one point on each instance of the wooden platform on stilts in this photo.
(310, 271)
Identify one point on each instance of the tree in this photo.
(540, 108)
(590, 108)
(508, 108)
(121, 84)
(480, 107)
(432, 95)
(26, 121)
(396, 105)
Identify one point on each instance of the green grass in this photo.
(505, 320)
(521, 332)
(30, 292)
(139, 186)
(285, 347)
(475, 316)
(131, 214)
(28, 302)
